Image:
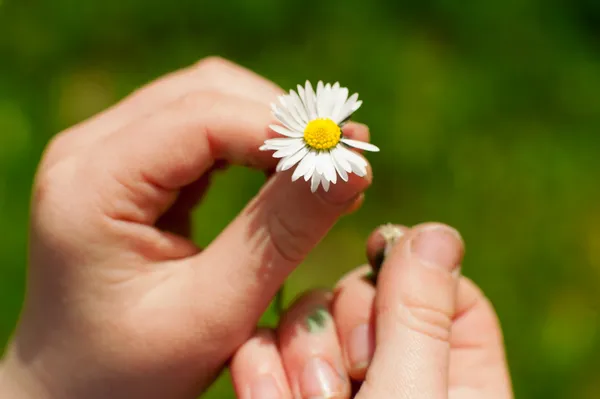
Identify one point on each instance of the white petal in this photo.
(318, 166)
(325, 184)
(305, 97)
(296, 175)
(314, 183)
(319, 98)
(340, 100)
(285, 132)
(271, 147)
(289, 150)
(359, 170)
(328, 167)
(294, 159)
(311, 105)
(334, 100)
(304, 166)
(341, 159)
(289, 103)
(326, 103)
(321, 104)
(320, 87)
(359, 165)
(301, 94)
(281, 142)
(299, 106)
(312, 160)
(348, 108)
(311, 170)
(336, 85)
(294, 106)
(360, 145)
(351, 101)
(283, 116)
(338, 168)
(279, 165)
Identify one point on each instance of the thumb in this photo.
(415, 304)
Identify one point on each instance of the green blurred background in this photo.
(487, 113)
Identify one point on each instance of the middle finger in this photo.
(311, 351)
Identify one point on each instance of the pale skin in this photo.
(424, 333)
(121, 303)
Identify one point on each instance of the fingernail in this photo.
(317, 320)
(361, 346)
(319, 380)
(438, 246)
(265, 388)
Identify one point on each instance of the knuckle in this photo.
(288, 241)
(60, 215)
(211, 64)
(49, 180)
(56, 147)
(420, 317)
(204, 101)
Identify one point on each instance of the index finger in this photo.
(150, 160)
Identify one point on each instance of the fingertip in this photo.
(430, 226)
(257, 370)
(360, 273)
(357, 131)
(356, 204)
(345, 193)
(263, 340)
(318, 298)
(352, 312)
(310, 348)
(437, 245)
(415, 304)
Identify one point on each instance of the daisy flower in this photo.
(314, 141)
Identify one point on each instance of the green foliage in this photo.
(487, 113)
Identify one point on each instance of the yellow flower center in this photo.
(322, 134)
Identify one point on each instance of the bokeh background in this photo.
(487, 113)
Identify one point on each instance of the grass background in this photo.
(488, 114)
